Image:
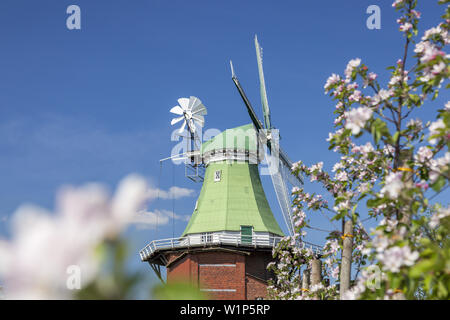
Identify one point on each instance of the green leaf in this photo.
(442, 290)
(395, 137)
(178, 291)
(371, 203)
(439, 184)
(420, 268)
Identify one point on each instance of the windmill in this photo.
(232, 229)
(279, 163)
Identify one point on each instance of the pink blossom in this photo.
(397, 3)
(372, 76)
(406, 27)
(416, 13)
(422, 184)
(356, 96)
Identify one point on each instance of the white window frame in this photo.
(217, 175)
(206, 237)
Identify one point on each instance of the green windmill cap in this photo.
(238, 198)
(241, 138)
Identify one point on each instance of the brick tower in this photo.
(228, 241)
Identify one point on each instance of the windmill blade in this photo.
(258, 125)
(287, 165)
(262, 82)
(283, 196)
(197, 106)
(279, 183)
(182, 127)
(280, 173)
(176, 120)
(194, 102)
(199, 119)
(184, 103)
(177, 110)
(200, 110)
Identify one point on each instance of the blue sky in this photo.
(92, 104)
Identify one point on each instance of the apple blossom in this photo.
(393, 185)
(396, 257)
(354, 63)
(43, 246)
(356, 118)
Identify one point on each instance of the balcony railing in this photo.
(256, 241)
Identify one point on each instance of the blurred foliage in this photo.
(178, 291)
(114, 282)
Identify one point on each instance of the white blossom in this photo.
(316, 287)
(424, 154)
(438, 216)
(354, 63)
(43, 245)
(333, 79)
(396, 3)
(396, 257)
(434, 129)
(393, 185)
(357, 118)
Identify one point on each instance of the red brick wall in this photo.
(180, 270)
(256, 288)
(245, 274)
(216, 271)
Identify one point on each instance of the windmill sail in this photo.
(264, 101)
(258, 125)
(278, 174)
(279, 163)
(280, 168)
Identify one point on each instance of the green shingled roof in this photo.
(238, 199)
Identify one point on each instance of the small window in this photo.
(217, 175)
(206, 237)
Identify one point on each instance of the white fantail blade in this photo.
(176, 120)
(200, 110)
(197, 104)
(182, 127)
(194, 103)
(200, 120)
(177, 110)
(184, 103)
